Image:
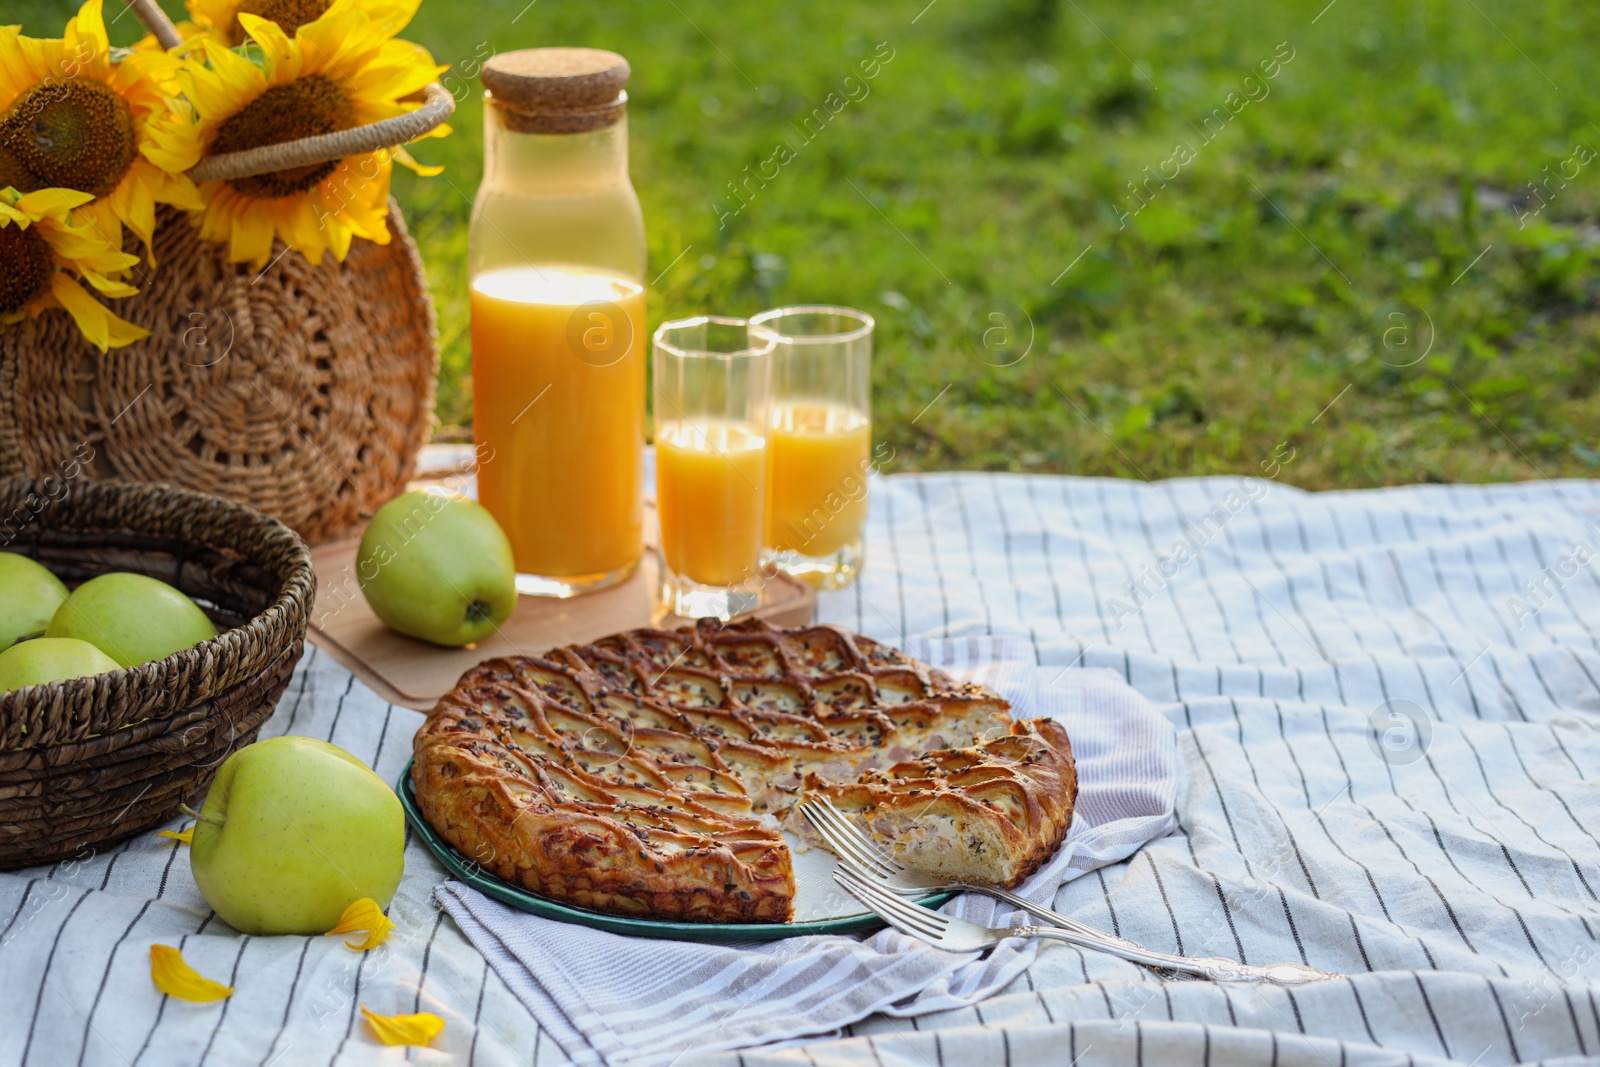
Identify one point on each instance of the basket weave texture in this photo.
(87, 762)
(305, 392)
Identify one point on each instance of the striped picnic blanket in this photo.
(1386, 703)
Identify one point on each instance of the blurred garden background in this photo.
(1352, 241)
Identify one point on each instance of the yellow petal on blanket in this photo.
(182, 836)
(364, 914)
(416, 1029)
(177, 979)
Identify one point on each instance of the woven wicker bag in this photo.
(305, 392)
(302, 391)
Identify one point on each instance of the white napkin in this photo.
(612, 999)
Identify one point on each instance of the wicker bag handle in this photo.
(438, 105)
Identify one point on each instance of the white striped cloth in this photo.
(1456, 882)
(643, 1003)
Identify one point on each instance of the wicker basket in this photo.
(305, 392)
(88, 762)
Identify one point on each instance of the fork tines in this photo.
(903, 915)
(846, 841)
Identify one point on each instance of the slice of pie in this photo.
(650, 773)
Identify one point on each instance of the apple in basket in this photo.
(29, 595)
(51, 659)
(436, 566)
(132, 618)
(293, 831)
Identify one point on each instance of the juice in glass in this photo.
(558, 382)
(817, 458)
(710, 481)
(711, 379)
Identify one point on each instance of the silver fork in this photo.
(959, 935)
(858, 852)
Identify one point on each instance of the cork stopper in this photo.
(557, 90)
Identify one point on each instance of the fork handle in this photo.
(1039, 911)
(1216, 968)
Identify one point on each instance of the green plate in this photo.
(472, 874)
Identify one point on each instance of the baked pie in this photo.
(650, 774)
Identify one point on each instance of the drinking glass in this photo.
(712, 379)
(819, 441)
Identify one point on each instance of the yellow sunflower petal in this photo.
(393, 15)
(170, 142)
(177, 979)
(185, 837)
(134, 203)
(416, 1029)
(40, 59)
(364, 914)
(100, 327)
(406, 160)
(15, 74)
(343, 41)
(400, 69)
(252, 240)
(220, 82)
(213, 15)
(283, 60)
(86, 311)
(86, 34)
(107, 286)
(103, 260)
(81, 243)
(124, 332)
(156, 70)
(99, 223)
(52, 203)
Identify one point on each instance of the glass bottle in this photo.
(556, 263)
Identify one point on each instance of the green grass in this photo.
(1221, 321)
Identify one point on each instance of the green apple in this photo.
(50, 659)
(29, 595)
(437, 566)
(293, 831)
(131, 618)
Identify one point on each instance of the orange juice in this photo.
(558, 414)
(710, 480)
(817, 477)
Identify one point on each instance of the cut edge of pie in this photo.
(991, 814)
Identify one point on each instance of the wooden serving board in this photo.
(415, 674)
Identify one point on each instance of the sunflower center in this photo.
(13, 173)
(75, 133)
(25, 267)
(305, 107)
(290, 15)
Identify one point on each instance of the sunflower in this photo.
(341, 70)
(221, 17)
(39, 254)
(71, 118)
